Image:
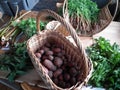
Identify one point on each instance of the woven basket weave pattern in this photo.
(74, 54)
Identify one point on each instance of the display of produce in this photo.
(106, 62)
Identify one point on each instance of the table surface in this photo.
(112, 33)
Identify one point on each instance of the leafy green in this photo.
(86, 9)
(28, 26)
(106, 63)
(17, 62)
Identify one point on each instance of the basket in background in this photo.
(104, 19)
(75, 54)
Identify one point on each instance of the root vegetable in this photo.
(44, 57)
(57, 73)
(73, 81)
(46, 49)
(56, 50)
(49, 65)
(49, 53)
(48, 45)
(60, 77)
(50, 73)
(66, 76)
(38, 55)
(41, 51)
(55, 80)
(50, 57)
(58, 61)
(73, 71)
(62, 84)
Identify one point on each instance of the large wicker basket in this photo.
(77, 54)
(104, 19)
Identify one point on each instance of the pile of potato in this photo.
(60, 69)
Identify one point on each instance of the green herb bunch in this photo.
(28, 26)
(17, 62)
(86, 9)
(106, 62)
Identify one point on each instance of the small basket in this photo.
(104, 19)
(77, 54)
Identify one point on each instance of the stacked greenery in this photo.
(86, 9)
(106, 61)
(28, 26)
(17, 61)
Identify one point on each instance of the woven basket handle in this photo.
(68, 26)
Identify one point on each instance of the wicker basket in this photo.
(77, 54)
(104, 19)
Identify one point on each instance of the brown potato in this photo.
(56, 50)
(73, 71)
(62, 84)
(49, 52)
(57, 73)
(44, 57)
(48, 45)
(58, 61)
(49, 65)
(50, 73)
(41, 51)
(60, 77)
(50, 57)
(46, 49)
(73, 81)
(66, 76)
(67, 85)
(55, 80)
(60, 54)
(38, 55)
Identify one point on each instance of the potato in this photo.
(57, 73)
(44, 57)
(49, 52)
(50, 57)
(60, 77)
(60, 54)
(41, 51)
(73, 71)
(79, 78)
(66, 76)
(58, 61)
(56, 50)
(38, 55)
(50, 73)
(55, 80)
(46, 49)
(67, 85)
(48, 45)
(73, 81)
(62, 84)
(49, 65)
